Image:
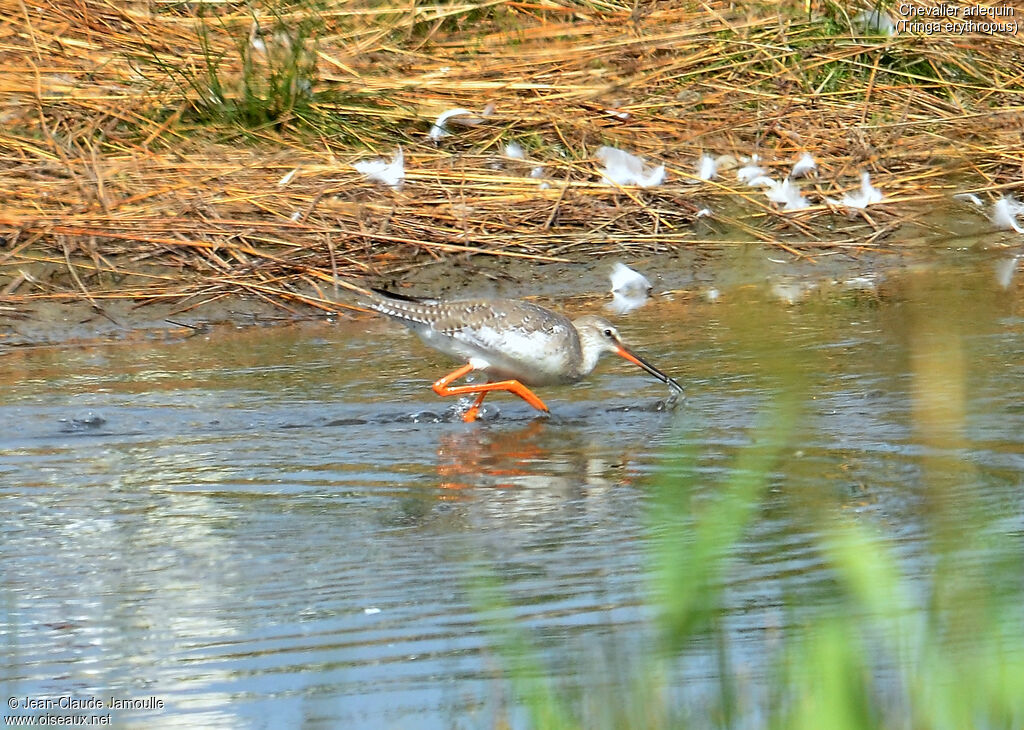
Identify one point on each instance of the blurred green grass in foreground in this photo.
(880, 647)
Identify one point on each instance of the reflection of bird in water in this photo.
(560, 464)
(497, 458)
(516, 343)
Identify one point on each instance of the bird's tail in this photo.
(393, 296)
(392, 304)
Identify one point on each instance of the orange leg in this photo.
(444, 387)
(474, 409)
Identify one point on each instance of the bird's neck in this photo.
(588, 360)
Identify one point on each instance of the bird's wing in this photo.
(484, 324)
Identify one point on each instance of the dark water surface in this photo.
(279, 528)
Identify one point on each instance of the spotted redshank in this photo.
(515, 343)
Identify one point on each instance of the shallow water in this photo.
(281, 527)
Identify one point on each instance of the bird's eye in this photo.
(609, 333)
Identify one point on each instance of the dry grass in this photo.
(123, 178)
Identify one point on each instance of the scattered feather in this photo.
(762, 181)
(371, 611)
(617, 114)
(1005, 212)
(704, 212)
(712, 295)
(778, 193)
(296, 216)
(867, 195)
(627, 281)
(537, 173)
(970, 198)
(875, 21)
(803, 166)
(380, 170)
(622, 168)
(287, 178)
(785, 193)
(630, 289)
(707, 168)
(439, 130)
(795, 201)
(751, 171)
(515, 151)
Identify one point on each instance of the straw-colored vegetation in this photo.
(195, 150)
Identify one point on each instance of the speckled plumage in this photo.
(516, 343)
(506, 338)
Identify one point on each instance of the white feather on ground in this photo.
(1004, 213)
(970, 198)
(803, 166)
(707, 168)
(867, 195)
(792, 198)
(380, 170)
(875, 21)
(515, 151)
(439, 129)
(287, 178)
(627, 281)
(622, 168)
(630, 289)
(785, 193)
(762, 181)
(751, 171)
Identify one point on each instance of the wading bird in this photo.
(515, 343)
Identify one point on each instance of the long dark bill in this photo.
(637, 360)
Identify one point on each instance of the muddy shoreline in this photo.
(707, 273)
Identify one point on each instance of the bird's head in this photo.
(598, 336)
